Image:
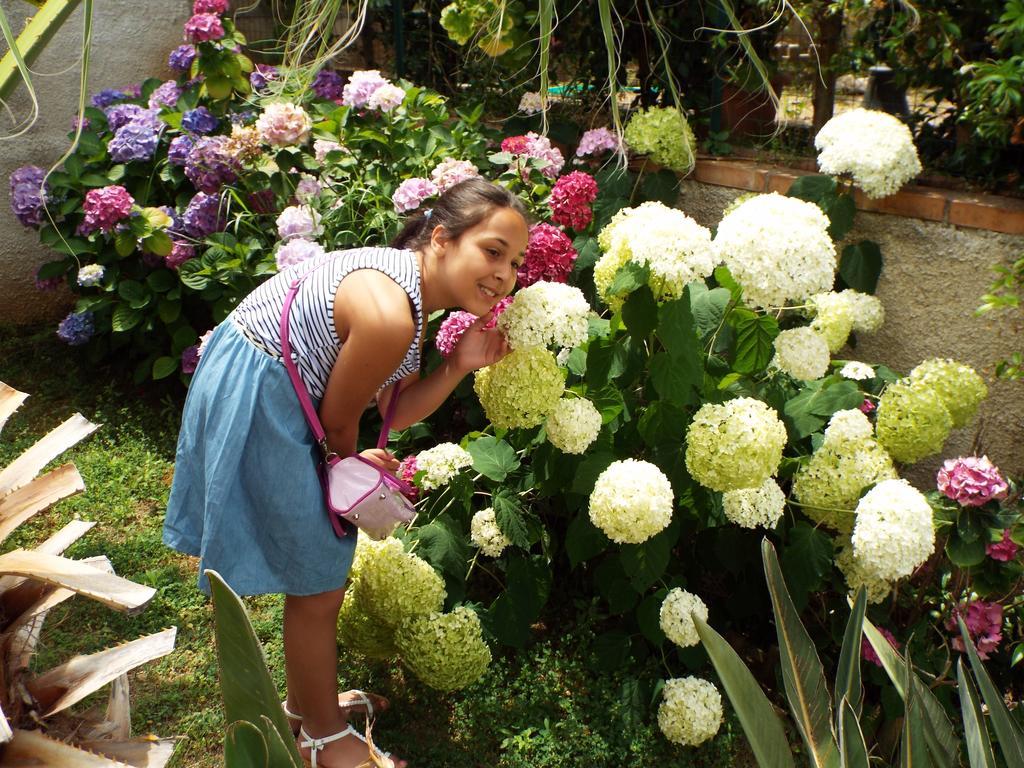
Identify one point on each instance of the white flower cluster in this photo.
(441, 463)
(912, 420)
(530, 103)
(868, 311)
(546, 314)
(893, 533)
(833, 319)
(90, 275)
(876, 589)
(778, 249)
(396, 585)
(733, 445)
(521, 389)
(360, 632)
(802, 353)
(850, 424)
(690, 711)
(857, 371)
(674, 247)
(676, 620)
(752, 507)
(485, 533)
(873, 147)
(573, 424)
(959, 386)
(631, 501)
(445, 650)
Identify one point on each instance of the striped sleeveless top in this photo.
(311, 332)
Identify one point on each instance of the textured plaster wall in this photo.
(932, 281)
(131, 41)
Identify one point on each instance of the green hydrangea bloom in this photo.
(856, 577)
(521, 389)
(664, 134)
(959, 386)
(361, 632)
(395, 585)
(604, 273)
(445, 651)
(912, 421)
(737, 444)
(833, 320)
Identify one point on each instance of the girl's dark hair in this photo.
(459, 208)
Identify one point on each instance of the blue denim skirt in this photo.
(246, 498)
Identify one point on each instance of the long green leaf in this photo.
(848, 685)
(913, 750)
(1008, 733)
(802, 671)
(979, 745)
(23, 52)
(943, 745)
(244, 746)
(546, 17)
(852, 747)
(604, 8)
(249, 693)
(757, 716)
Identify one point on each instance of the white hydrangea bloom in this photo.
(396, 585)
(876, 589)
(893, 533)
(604, 274)
(778, 248)
(857, 371)
(546, 314)
(675, 248)
(752, 507)
(485, 533)
(733, 445)
(873, 147)
(676, 620)
(573, 424)
(868, 311)
(850, 424)
(90, 275)
(802, 353)
(530, 103)
(441, 463)
(690, 711)
(631, 501)
(446, 651)
(833, 318)
(521, 389)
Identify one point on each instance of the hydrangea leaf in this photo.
(584, 540)
(614, 586)
(510, 616)
(662, 186)
(511, 518)
(444, 546)
(677, 332)
(645, 563)
(662, 423)
(964, 553)
(648, 617)
(814, 189)
(806, 561)
(860, 265)
(493, 458)
(674, 380)
(164, 367)
(587, 253)
(628, 279)
(606, 360)
(708, 307)
(755, 336)
(640, 312)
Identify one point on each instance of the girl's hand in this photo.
(479, 346)
(382, 458)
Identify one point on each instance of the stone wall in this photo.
(130, 42)
(932, 281)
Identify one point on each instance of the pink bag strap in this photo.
(300, 389)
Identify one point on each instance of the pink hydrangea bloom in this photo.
(298, 221)
(105, 207)
(549, 256)
(386, 98)
(360, 87)
(180, 253)
(867, 651)
(971, 481)
(515, 145)
(598, 140)
(451, 331)
(535, 145)
(307, 188)
(867, 406)
(571, 198)
(407, 470)
(203, 28)
(218, 7)
(411, 193)
(297, 250)
(283, 125)
(984, 626)
(321, 148)
(450, 172)
(1005, 550)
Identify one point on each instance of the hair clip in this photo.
(427, 212)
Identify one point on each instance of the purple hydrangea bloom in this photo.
(181, 58)
(261, 75)
(190, 359)
(199, 120)
(48, 283)
(134, 91)
(106, 97)
(165, 95)
(134, 141)
(177, 152)
(180, 253)
(209, 166)
(328, 84)
(122, 114)
(245, 117)
(76, 329)
(411, 193)
(202, 216)
(26, 200)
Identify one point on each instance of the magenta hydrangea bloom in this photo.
(598, 141)
(867, 651)
(451, 331)
(1004, 550)
(360, 87)
(571, 198)
(535, 145)
(515, 145)
(296, 251)
(867, 406)
(411, 193)
(104, 208)
(971, 481)
(407, 469)
(203, 28)
(180, 253)
(28, 193)
(549, 256)
(218, 7)
(984, 626)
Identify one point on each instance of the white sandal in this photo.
(381, 758)
(361, 698)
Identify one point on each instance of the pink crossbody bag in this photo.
(356, 491)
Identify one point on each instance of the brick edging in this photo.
(962, 209)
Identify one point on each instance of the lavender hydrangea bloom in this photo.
(106, 97)
(361, 86)
(177, 152)
(181, 58)
(26, 200)
(122, 114)
(411, 193)
(199, 120)
(209, 166)
(328, 84)
(165, 95)
(297, 250)
(261, 75)
(134, 141)
(76, 329)
(245, 117)
(190, 359)
(202, 216)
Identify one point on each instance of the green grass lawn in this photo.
(549, 705)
